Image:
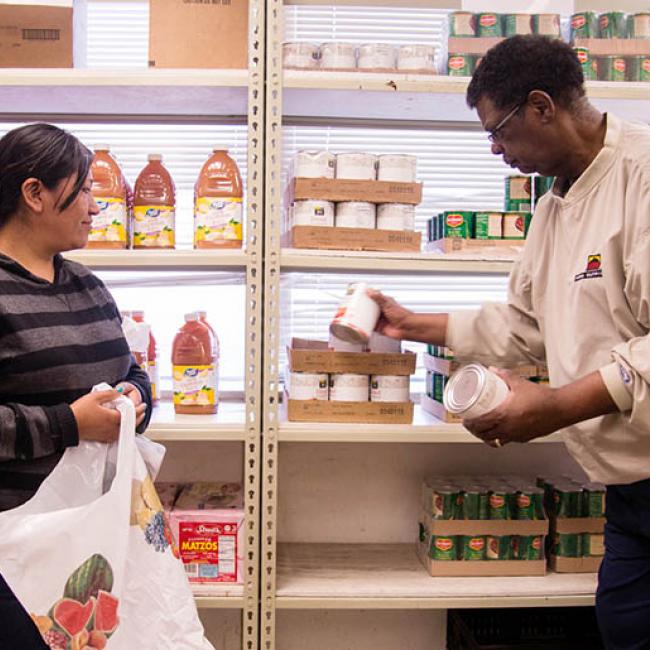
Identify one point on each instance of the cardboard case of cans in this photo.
(326, 385)
(482, 526)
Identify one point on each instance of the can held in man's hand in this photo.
(473, 390)
(357, 316)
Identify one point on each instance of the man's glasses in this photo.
(493, 134)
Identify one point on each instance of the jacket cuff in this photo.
(65, 424)
(613, 376)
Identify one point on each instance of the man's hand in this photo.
(130, 391)
(393, 320)
(94, 420)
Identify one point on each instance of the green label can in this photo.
(588, 64)
(484, 505)
(461, 65)
(462, 23)
(488, 225)
(516, 224)
(638, 25)
(546, 25)
(518, 188)
(525, 506)
(488, 24)
(473, 547)
(542, 185)
(530, 547)
(498, 505)
(566, 502)
(584, 25)
(517, 24)
(566, 545)
(458, 224)
(498, 548)
(638, 68)
(612, 68)
(439, 382)
(592, 544)
(471, 504)
(443, 503)
(443, 548)
(593, 502)
(612, 25)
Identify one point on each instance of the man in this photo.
(578, 300)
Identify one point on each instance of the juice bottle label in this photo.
(153, 226)
(195, 385)
(217, 219)
(152, 370)
(111, 222)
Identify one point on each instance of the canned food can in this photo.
(473, 547)
(518, 193)
(439, 383)
(525, 506)
(457, 224)
(307, 385)
(488, 225)
(547, 25)
(588, 64)
(357, 315)
(530, 547)
(471, 504)
(498, 548)
(517, 24)
(612, 68)
(348, 387)
(565, 502)
(516, 224)
(592, 544)
(300, 55)
(338, 56)
(498, 507)
(389, 388)
(461, 65)
(397, 167)
(429, 384)
(356, 166)
(377, 56)
(395, 216)
(488, 24)
(584, 25)
(473, 390)
(314, 164)
(593, 501)
(484, 504)
(566, 545)
(313, 213)
(612, 25)
(445, 352)
(462, 23)
(543, 184)
(638, 25)
(416, 57)
(638, 68)
(444, 547)
(443, 503)
(355, 214)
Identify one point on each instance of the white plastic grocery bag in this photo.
(91, 557)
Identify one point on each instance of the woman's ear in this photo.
(32, 193)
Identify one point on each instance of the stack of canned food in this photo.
(613, 67)
(483, 498)
(613, 24)
(567, 498)
(353, 214)
(350, 56)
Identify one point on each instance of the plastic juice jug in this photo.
(154, 211)
(215, 339)
(218, 207)
(129, 211)
(193, 368)
(152, 354)
(109, 227)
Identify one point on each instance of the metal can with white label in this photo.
(638, 25)
(356, 166)
(547, 25)
(338, 56)
(357, 316)
(473, 390)
(347, 387)
(314, 164)
(416, 57)
(311, 212)
(395, 216)
(517, 25)
(377, 56)
(488, 225)
(300, 55)
(397, 167)
(389, 388)
(355, 214)
(516, 224)
(307, 385)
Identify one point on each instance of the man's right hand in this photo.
(394, 318)
(94, 420)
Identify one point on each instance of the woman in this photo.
(60, 330)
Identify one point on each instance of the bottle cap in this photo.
(154, 156)
(137, 313)
(102, 147)
(220, 147)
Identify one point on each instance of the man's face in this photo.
(522, 139)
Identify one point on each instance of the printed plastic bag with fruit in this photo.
(91, 555)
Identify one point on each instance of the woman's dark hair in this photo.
(41, 151)
(518, 65)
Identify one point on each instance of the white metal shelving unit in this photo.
(218, 96)
(315, 576)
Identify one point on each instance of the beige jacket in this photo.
(579, 300)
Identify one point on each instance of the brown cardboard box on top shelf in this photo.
(614, 46)
(36, 36)
(340, 189)
(480, 527)
(198, 34)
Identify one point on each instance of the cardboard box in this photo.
(574, 564)
(194, 34)
(314, 356)
(448, 367)
(36, 36)
(576, 525)
(358, 412)
(468, 45)
(615, 46)
(495, 527)
(497, 247)
(438, 410)
(335, 189)
(354, 239)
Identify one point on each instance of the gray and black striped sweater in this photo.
(57, 340)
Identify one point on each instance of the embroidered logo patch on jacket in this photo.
(593, 270)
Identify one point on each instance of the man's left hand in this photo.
(130, 391)
(530, 411)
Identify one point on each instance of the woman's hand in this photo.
(130, 391)
(94, 420)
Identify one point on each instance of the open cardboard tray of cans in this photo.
(614, 46)
(449, 366)
(436, 409)
(577, 526)
(305, 355)
(466, 245)
(472, 45)
(354, 239)
(340, 189)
